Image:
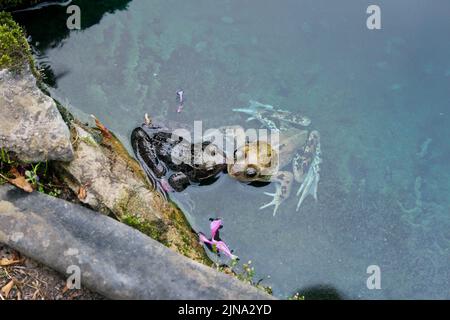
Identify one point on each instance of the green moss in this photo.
(66, 115)
(15, 53)
(155, 229)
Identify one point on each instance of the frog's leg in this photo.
(179, 181)
(291, 118)
(283, 181)
(258, 111)
(306, 167)
(254, 107)
(267, 113)
(148, 159)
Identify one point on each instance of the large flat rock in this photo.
(115, 260)
(30, 123)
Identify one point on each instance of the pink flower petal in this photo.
(215, 226)
(222, 247)
(203, 239)
(165, 185)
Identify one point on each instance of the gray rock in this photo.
(115, 260)
(30, 124)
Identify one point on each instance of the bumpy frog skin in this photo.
(297, 147)
(163, 154)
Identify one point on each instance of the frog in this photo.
(295, 157)
(297, 147)
(171, 161)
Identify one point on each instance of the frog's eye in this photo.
(212, 149)
(251, 172)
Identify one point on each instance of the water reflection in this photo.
(47, 28)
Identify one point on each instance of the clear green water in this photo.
(375, 97)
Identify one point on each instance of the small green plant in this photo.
(38, 175)
(5, 164)
(246, 274)
(31, 175)
(54, 192)
(297, 296)
(4, 156)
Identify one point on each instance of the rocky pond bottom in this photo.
(379, 100)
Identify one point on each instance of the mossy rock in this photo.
(15, 53)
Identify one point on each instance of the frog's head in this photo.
(255, 161)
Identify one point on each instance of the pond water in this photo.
(380, 99)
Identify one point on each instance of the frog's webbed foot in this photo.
(306, 167)
(283, 181)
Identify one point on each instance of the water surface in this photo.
(376, 97)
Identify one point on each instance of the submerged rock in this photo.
(111, 258)
(30, 123)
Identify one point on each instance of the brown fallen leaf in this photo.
(65, 289)
(19, 181)
(7, 289)
(4, 262)
(105, 132)
(82, 193)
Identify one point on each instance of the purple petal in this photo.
(215, 226)
(203, 239)
(165, 185)
(222, 247)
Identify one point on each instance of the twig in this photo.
(7, 179)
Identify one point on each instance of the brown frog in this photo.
(164, 154)
(297, 147)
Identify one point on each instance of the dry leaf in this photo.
(4, 262)
(82, 193)
(105, 132)
(19, 181)
(22, 183)
(7, 288)
(65, 289)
